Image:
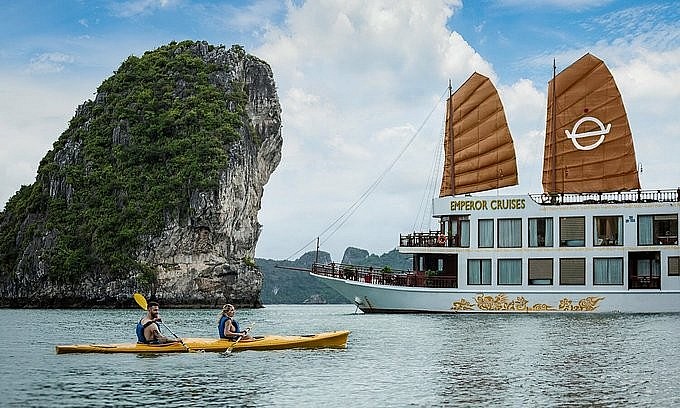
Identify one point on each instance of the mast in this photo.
(316, 259)
(553, 136)
(449, 111)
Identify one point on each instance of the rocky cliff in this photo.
(154, 187)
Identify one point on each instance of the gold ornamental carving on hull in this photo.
(500, 303)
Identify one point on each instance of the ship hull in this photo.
(371, 298)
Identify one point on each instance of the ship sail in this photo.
(588, 142)
(479, 152)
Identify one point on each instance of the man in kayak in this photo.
(228, 326)
(148, 328)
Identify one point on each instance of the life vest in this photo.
(140, 331)
(223, 324)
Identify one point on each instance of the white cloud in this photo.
(375, 70)
(133, 8)
(357, 80)
(32, 115)
(49, 62)
(648, 83)
(560, 4)
(252, 17)
(525, 109)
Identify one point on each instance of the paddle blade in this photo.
(140, 299)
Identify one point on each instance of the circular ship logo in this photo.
(601, 132)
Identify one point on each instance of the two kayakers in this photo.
(228, 327)
(148, 328)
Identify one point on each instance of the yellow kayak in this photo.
(335, 339)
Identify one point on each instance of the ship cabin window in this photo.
(540, 232)
(510, 233)
(455, 231)
(486, 233)
(509, 271)
(541, 271)
(479, 272)
(658, 229)
(608, 271)
(674, 266)
(608, 231)
(649, 269)
(465, 233)
(572, 271)
(572, 231)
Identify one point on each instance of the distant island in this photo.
(288, 286)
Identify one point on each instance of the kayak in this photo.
(334, 339)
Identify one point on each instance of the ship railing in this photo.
(384, 276)
(428, 239)
(633, 196)
(644, 282)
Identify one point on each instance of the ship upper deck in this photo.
(634, 196)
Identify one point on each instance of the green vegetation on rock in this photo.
(129, 162)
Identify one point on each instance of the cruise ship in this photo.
(593, 242)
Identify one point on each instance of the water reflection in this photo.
(548, 360)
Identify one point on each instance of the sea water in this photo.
(418, 360)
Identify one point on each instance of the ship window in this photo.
(479, 271)
(674, 266)
(540, 232)
(486, 233)
(465, 233)
(455, 230)
(572, 271)
(648, 267)
(572, 231)
(607, 231)
(608, 271)
(509, 271)
(510, 233)
(540, 271)
(658, 229)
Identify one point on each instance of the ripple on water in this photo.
(391, 360)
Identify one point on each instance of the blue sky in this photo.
(357, 80)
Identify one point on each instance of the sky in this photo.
(361, 86)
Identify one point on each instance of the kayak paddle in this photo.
(141, 301)
(228, 351)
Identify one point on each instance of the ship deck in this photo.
(384, 276)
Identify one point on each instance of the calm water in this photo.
(391, 360)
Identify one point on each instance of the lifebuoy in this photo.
(441, 239)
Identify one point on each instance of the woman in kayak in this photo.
(148, 329)
(228, 326)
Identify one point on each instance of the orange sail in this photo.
(479, 152)
(588, 142)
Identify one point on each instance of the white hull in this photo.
(372, 298)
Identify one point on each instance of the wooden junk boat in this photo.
(593, 241)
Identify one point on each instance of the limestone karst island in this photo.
(154, 187)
